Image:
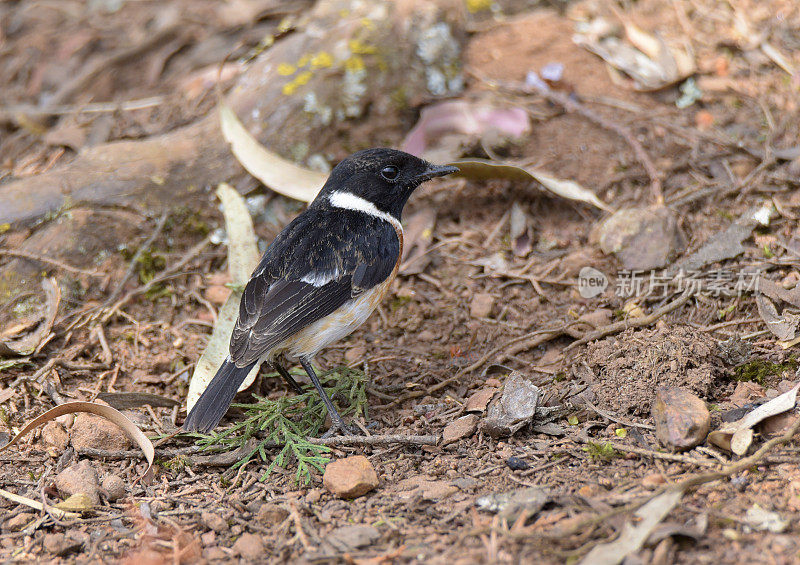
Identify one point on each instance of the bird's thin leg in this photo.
(336, 418)
(287, 377)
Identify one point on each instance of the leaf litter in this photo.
(423, 328)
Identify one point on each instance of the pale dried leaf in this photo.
(477, 169)
(466, 120)
(777, 292)
(242, 259)
(727, 243)
(737, 436)
(778, 58)
(633, 537)
(242, 246)
(650, 62)
(78, 502)
(274, 171)
(766, 520)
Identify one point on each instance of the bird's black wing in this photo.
(303, 278)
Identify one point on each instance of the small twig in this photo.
(381, 440)
(91, 108)
(117, 57)
(507, 350)
(342, 441)
(135, 260)
(617, 419)
(617, 327)
(571, 105)
(641, 154)
(191, 254)
(48, 261)
(101, 337)
(675, 457)
(298, 525)
(742, 464)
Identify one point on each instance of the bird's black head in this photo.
(384, 177)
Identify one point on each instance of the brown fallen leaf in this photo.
(633, 536)
(783, 326)
(727, 243)
(777, 292)
(647, 59)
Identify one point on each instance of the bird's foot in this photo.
(340, 429)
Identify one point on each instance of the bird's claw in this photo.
(340, 429)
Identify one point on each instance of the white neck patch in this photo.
(349, 201)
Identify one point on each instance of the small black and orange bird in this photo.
(322, 276)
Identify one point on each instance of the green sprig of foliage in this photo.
(286, 423)
(601, 452)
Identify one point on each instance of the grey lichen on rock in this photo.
(348, 57)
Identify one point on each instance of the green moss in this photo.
(398, 302)
(186, 220)
(758, 370)
(149, 263)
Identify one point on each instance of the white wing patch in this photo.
(322, 278)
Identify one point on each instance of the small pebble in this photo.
(114, 487)
(93, 432)
(517, 464)
(213, 521)
(249, 546)
(350, 477)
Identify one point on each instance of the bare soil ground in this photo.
(716, 158)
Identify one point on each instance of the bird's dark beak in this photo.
(437, 171)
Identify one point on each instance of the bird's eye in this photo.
(389, 173)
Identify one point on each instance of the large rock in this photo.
(461, 428)
(93, 432)
(350, 477)
(79, 478)
(681, 418)
(249, 546)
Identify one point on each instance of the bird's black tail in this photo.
(215, 400)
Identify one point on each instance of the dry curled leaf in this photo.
(646, 58)
(737, 436)
(445, 128)
(274, 171)
(783, 326)
(479, 169)
(131, 430)
(727, 243)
